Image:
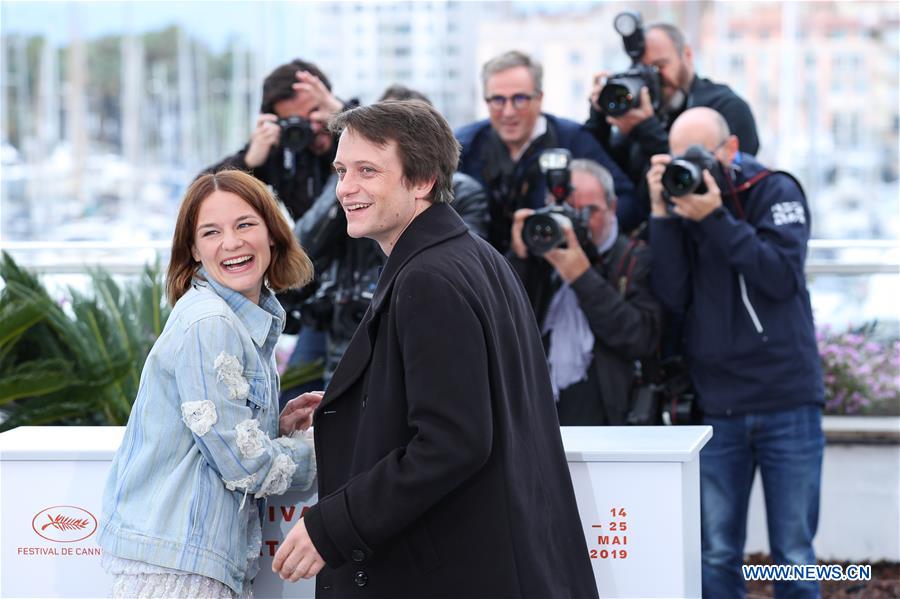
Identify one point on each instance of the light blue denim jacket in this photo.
(199, 450)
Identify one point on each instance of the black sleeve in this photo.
(322, 226)
(652, 138)
(471, 203)
(236, 161)
(629, 324)
(598, 127)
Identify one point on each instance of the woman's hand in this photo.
(297, 557)
(298, 413)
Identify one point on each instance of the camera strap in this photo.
(626, 264)
(746, 185)
(752, 181)
(735, 191)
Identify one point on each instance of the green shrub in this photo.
(81, 365)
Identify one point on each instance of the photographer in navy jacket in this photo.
(731, 261)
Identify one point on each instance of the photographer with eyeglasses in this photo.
(502, 152)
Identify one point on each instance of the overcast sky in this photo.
(211, 20)
(214, 22)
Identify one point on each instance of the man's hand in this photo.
(297, 557)
(298, 413)
(266, 135)
(658, 165)
(518, 246)
(635, 116)
(570, 262)
(327, 105)
(600, 78)
(696, 207)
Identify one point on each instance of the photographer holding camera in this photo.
(632, 112)
(728, 245)
(589, 289)
(502, 152)
(290, 149)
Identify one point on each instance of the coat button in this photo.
(357, 555)
(361, 579)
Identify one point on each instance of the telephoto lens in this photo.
(620, 95)
(543, 231)
(682, 177)
(622, 91)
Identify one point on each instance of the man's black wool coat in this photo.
(441, 467)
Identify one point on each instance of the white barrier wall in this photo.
(637, 490)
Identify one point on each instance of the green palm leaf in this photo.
(32, 379)
(15, 319)
(79, 365)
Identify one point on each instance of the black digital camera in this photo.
(339, 309)
(684, 174)
(543, 230)
(296, 133)
(350, 306)
(622, 91)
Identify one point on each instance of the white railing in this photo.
(74, 257)
(853, 256)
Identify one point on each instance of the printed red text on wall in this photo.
(610, 545)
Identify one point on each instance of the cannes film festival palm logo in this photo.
(64, 524)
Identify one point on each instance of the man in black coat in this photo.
(441, 467)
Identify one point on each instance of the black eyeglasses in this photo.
(519, 101)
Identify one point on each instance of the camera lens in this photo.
(615, 99)
(292, 138)
(296, 133)
(681, 178)
(542, 232)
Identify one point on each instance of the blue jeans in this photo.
(787, 445)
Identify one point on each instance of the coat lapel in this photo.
(355, 359)
(436, 224)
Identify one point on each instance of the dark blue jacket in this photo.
(511, 186)
(737, 277)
